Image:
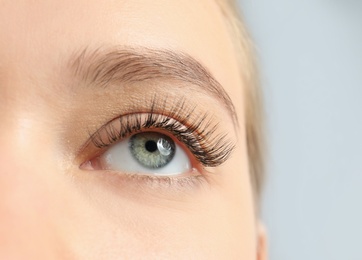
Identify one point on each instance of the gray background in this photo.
(310, 54)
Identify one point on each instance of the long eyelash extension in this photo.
(198, 135)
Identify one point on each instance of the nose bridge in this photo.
(24, 196)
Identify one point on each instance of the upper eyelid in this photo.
(108, 127)
(180, 111)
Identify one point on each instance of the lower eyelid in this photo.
(152, 185)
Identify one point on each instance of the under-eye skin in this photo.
(159, 139)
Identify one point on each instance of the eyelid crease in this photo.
(102, 67)
(198, 135)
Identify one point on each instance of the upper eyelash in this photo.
(198, 135)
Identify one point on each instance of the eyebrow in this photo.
(130, 64)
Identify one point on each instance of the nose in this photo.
(26, 182)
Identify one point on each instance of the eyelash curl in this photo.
(198, 134)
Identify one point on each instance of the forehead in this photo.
(42, 33)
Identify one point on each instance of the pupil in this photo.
(151, 146)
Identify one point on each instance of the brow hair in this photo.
(129, 64)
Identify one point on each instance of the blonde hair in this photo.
(252, 93)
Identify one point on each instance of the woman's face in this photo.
(78, 80)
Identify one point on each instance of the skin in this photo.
(53, 208)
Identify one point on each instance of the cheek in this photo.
(214, 222)
(31, 204)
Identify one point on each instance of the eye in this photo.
(145, 153)
(160, 142)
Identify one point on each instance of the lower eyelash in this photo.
(167, 182)
(198, 136)
(170, 185)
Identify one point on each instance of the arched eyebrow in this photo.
(103, 67)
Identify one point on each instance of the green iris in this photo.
(152, 150)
